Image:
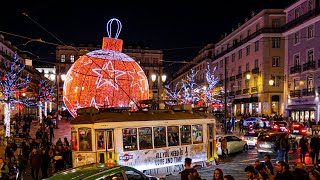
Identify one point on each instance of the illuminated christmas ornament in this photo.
(105, 78)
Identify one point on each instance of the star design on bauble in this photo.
(107, 75)
(140, 81)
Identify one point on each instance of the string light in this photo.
(46, 94)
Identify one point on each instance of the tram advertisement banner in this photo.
(81, 158)
(156, 158)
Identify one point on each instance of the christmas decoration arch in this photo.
(105, 78)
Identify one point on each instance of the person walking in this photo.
(241, 125)
(45, 160)
(224, 147)
(35, 162)
(189, 172)
(284, 148)
(303, 148)
(315, 146)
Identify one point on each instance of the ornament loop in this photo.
(109, 27)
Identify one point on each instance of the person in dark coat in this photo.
(66, 141)
(35, 163)
(267, 162)
(315, 146)
(4, 170)
(9, 152)
(59, 158)
(299, 172)
(303, 148)
(45, 160)
(283, 172)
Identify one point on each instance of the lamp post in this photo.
(156, 78)
(63, 78)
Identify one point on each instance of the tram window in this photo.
(101, 137)
(117, 176)
(173, 135)
(85, 139)
(110, 139)
(145, 138)
(74, 142)
(132, 175)
(197, 133)
(185, 132)
(159, 137)
(129, 139)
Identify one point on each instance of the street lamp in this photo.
(155, 77)
(271, 82)
(248, 76)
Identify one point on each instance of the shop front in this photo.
(302, 113)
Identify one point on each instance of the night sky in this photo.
(181, 29)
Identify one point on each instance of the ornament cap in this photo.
(112, 44)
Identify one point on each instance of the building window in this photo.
(233, 57)
(255, 82)
(275, 61)
(275, 23)
(296, 13)
(247, 67)
(248, 33)
(256, 46)
(257, 27)
(297, 60)
(72, 58)
(309, 83)
(63, 58)
(247, 83)
(241, 38)
(276, 42)
(256, 63)
(239, 85)
(296, 84)
(235, 41)
(248, 50)
(221, 63)
(310, 55)
(297, 38)
(310, 31)
(239, 70)
(226, 60)
(310, 5)
(240, 54)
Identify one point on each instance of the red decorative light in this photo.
(4, 78)
(17, 93)
(39, 85)
(105, 78)
(23, 90)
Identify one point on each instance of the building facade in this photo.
(150, 61)
(247, 59)
(302, 59)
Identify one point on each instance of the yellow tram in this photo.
(156, 142)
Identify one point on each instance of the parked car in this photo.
(100, 171)
(266, 143)
(252, 136)
(234, 144)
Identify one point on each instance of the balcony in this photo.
(296, 93)
(301, 19)
(246, 91)
(309, 65)
(232, 78)
(295, 69)
(308, 92)
(239, 76)
(255, 71)
(254, 89)
(239, 92)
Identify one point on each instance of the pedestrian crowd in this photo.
(39, 153)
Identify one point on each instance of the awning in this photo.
(311, 107)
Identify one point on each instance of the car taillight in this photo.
(303, 131)
(286, 130)
(275, 126)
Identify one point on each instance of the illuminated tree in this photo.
(13, 82)
(46, 94)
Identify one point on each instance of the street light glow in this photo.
(164, 78)
(248, 76)
(153, 77)
(271, 82)
(63, 77)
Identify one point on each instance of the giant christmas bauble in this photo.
(105, 78)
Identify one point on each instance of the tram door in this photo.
(105, 146)
(211, 145)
